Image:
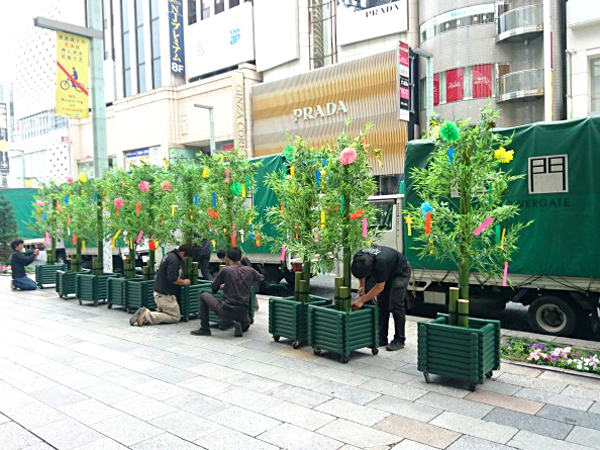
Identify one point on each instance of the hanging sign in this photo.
(403, 68)
(176, 37)
(72, 75)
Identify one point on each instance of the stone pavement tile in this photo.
(215, 371)
(475, 427)
(205, 385)
(535, 383)
(96, 366)
(457, 405)
(298, 415)
(505, 401)
(383, 373)
(301, 379)
(252, 382)
(571, 378)
(583, 392)
(67, 434)
(595, 408)
(229, 439)
(3, 419)
(14, 398)
(298, 395)
(357, 435)
(163, 344)
(35, 415)
(472, 443)
(350, 411)
(79, 380)
(125, 377)
(349, 393)
(407, 444)
(127, 429)
(289, 437)
(538, 425)
(103, 444)
(566, 401)
(32, 382)
(257, 355)
(256, 368)
(144, 408)
(404, 408)
(418, 431)
(296, 361)
(526, 440)
(40, 446)
(199, 404)
(245, 421)
(90, 411)
(186, 425)
(165, 441)
(585, 436)
(159, 390)
(59, 396)
(15, 437)
(179, 361)
(188, 350)
(108, 392)
(494, 385)
(341, 376)
(571, 416)
(405, 391)
(245, 398)
(170, 374)
(517, 369)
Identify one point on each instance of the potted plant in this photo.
(476, 233)
(344, 226)
(296, 220)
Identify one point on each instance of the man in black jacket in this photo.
(165, 290)
(384, 273)
(18, 261)
(237, 280)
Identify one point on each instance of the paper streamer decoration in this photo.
(66, 200)
(219, 202)
(283, 253)
(195, 200)
(342, 204)
(227, 176)
(257, 238)
(242, 235)
(428, 223)
(244, 190)
(322, 218)
(505, 273)
(292, 171)
(139, 238)
(497, 234)
(83, 246)
(451, 154)
(152, 246)
(318, 178)
(214, 198)
(430, 246)
(74, 238)
(502, 239)
(69, 219)
(95, 197)
(44, 216)
(47, 238)
(486, 223)
(324, 162)
(173, 210)
(214, 244)
(408, 220)
(137, 209)
(491, 192)
(116, 235)
(364, 227)
(117, 211)
(205, 172)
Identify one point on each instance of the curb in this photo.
(592, 376)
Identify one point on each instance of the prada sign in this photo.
(385, 20)
(310, 113)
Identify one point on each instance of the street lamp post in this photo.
(211, 115)
(429, 85)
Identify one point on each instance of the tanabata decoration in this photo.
(69, 219)
(47, 238)
(486, 223)
(205, 172)
(426, 208)
(74, 238)
(44, 216)
(152, 246)
(195, 200)
(449, 132)
(318, 178)
(503, 155)
(502, 239)
(213, 214)
(173, 210)
(257, 238)
(214, 199)
(40, 203)
(347, 156)
(451, 154)
(288, 152)
(137, 209)
(166, 186)
(323, 219)
(428, 222)
(236, 188)
(95, 197)
(227, 176)
(505, 273)
(283, 253)
(82, 178)
(66, 200)
(139, 238)
(364, 227)
(292, 171)
(144, 186)
(408, 220)
(70, 180)
(83, 246)
(497, 234)
(244, 190)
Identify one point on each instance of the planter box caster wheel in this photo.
(80, 302)
(251, 321)
(96, 303)
(109, 306)
(426, 376)
(344, 359)
(317, 351)
(472, 387)
(296, 344)
(375, 350)
(276, 338)
(489, 374)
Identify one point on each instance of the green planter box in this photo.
(139, 293)
(116, 292)
(66, 282)
(216, 320)
(189, 300)
(342, 332)
(92, 288)
(288, 318)
(468, 354)
(46, 274)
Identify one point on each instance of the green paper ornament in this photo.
(288, 152)
(236, 189)
(449, 132)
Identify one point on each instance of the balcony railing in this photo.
(520, 23)
(522, 84)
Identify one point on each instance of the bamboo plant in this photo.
(47, 210)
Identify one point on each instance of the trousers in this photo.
(210, 301)
(24, 283)
(167, 310)
(393, 300)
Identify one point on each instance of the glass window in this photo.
(205, 9)
(451, 20)
(385, 209)
(468, 83)
(595, 79)
(155, 36)
(322, 39)
(139, 41)
(126, 52)
(233, 3)
(192, 13)
(442, 87)
(454, 85)
(219, 6)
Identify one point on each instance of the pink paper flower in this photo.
(166, 186)
(144, 186)
(70, 180)
(347, 156)
(119, 202)
(40, 203)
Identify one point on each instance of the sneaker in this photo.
(12, 286)
(201, 332)
(394, 345)
(133, 320)
(238, 329)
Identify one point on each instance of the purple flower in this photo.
(509, 348)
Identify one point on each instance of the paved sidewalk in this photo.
(79, 377)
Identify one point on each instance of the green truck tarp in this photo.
(560, 192)
(21, 200)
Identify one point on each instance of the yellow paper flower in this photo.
(205, 172)
(82, 178)
(508, 156)
(435, 132)
(503, 155)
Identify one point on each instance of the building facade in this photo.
(583, 58)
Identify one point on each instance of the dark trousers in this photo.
(210, 301)
(204, 264)
(393, 300)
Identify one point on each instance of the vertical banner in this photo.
(403, 82)
(482, 81)
(454, 85)
(4, 163)
(176, 37)
(72, 75)
(239, 110)
(436, 89)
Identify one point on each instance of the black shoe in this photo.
(136, 316)
(394, 345)
(238, 329)
(201, 332)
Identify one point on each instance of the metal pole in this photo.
(429, 85)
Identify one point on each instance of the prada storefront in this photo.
(317, 104)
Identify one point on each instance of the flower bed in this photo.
(548, 354)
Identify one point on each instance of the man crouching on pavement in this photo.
(236, 281)
(165, 290)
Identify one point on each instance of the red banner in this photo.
(454, 85)
(436, 89)
(482, 81)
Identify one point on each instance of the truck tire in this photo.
(552, 315)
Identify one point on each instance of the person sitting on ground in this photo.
(18, 261)
(384, 273)
(236, 281)
(165, 290)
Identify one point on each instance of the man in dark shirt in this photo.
(237, 280)
(18, 261)
(245, 261)
(165, 290)
(384, 273)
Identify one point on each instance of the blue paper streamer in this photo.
(195, 200)
(44, 216)
(95, 197)
(451, 154)
(318, 178)
(66, 200)
(214, 196)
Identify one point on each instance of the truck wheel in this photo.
(552, 315)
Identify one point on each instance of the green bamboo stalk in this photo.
(463, 313)
(306, 269)
(464, 258)
(347, 257)
(194, 273)
(345, 299)
(453, 305)
(303, 291)
(297, 279)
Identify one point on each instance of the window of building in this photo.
(126, 48)
(140, 47)
(459, 18)
(155, 37)
(219, 6)
(595, 75)
(204, 7)
(468, 83)
(233, 3)
(192, 12)
(322, 38)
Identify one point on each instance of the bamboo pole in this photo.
(303, 291)
(345, 299)
(297, 279)
(463, 313)
(453, 305)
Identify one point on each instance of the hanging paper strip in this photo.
(243, 190)
(117, 211)
(242, 235)
(137, 209)
(342, 205)
(227, 176)
(364, 234)
(318, 178)
(322, 218)
(95, 197)
(502, 239)
(283, 253)
(74, 238)
(491, 192)
(282, 207)
(173, 210)
(428, 223)
(257, 238)
(83, 246)
(139, 238)
(47, 238)
(66, 200)
(486, 223)
(214, 198)
(69, 219)
(44, 216)
(505, 273)
(431, 246)
(408, 220)
(214, 244)
(152, 246)
(497, 234)
(292, 171)
(324, 162)
(205, 172)
(195, 200)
